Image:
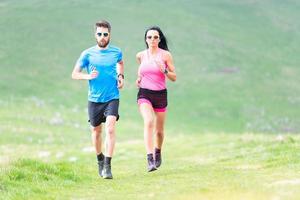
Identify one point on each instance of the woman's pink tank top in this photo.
(149, 70)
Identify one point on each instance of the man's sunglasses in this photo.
(155, 37)
(104, 34)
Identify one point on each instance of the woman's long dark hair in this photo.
(163, 44)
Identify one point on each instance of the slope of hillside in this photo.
(237, 62)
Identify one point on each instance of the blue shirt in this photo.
(105, 87)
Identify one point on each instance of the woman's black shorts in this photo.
(158, 99)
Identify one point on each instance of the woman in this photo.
(156, 65)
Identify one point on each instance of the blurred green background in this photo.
(237, 61)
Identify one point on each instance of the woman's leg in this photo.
(159, 136)
(159, 131)
(146, 111)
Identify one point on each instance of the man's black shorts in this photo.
(99, 111)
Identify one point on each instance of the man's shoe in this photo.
(151, 165)
(100, 167)
(157, 159)
(107, 172)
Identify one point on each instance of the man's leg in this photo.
(110, 139)
(97, 138)
(110, 136)
(97, 143)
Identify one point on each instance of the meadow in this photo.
(233, 118)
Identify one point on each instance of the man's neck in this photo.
(102, 48)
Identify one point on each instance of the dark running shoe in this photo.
(100, 167)
(151, 165)
(107, 172)
(157, 159)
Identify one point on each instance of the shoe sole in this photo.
(152, 169)
(157, 166)
(101, 172)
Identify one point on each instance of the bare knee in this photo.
(160, 133)
(148, 123)
(96, 131)
(110, 130)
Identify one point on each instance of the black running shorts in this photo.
(99, 111)
(158, 99)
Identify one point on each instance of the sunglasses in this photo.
(104, 34)
(155, 37)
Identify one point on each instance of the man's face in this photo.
(102, 36)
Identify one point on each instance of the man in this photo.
(104, 71)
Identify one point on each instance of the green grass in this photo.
(208, 166)
(233, 117)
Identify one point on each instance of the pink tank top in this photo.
(149, 70)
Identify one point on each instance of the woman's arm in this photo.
(170, 70)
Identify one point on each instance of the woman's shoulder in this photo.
(166, 54)
(140, 53)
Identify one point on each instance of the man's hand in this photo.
(94, 74)
(120, 81)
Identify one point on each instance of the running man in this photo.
(105, 72)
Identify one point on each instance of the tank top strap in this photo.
(144, 55)
(161, 54)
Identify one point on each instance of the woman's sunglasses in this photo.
(155, 37)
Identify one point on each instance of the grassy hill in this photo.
(238, 72)
(237, 62)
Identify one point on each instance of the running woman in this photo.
(156, 64)
(104, 66)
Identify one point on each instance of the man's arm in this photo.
(120, 71)
(77, 74)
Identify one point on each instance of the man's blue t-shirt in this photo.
(105, 87)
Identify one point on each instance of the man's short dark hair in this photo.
(103, 23)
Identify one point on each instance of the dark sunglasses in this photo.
(155, 37)
(100, 34)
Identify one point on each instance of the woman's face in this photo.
(152, 38)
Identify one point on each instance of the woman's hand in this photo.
(162, 66)
(138, 81)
